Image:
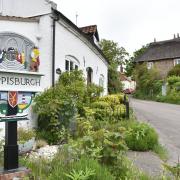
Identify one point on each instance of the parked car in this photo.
(128, 91)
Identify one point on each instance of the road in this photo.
(165, 118)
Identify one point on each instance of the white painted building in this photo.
(36, 27)
(129, 85)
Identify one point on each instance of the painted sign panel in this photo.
(18, 53)
(19, 75)
(10, 81)
(15, 104)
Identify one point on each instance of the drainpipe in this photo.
(53, 51)
(55, 19)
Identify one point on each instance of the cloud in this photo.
(131, 23)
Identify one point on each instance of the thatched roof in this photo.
(169, 49)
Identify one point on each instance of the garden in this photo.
(88, 135)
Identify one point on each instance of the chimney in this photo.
(154, 39)
(177, 35)
(174, 36)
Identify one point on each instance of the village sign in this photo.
(19, 81)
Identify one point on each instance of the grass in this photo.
(161, 151)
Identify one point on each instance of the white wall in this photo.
(129, 85)
(69, 44)
(66, 44)
(39, 33)
(25, 8)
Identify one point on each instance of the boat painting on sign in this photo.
(15, 104)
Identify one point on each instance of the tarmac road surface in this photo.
(165, 118)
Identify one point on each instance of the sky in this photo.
(130, 23)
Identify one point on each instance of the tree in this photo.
(148, 82)
(116, 56)
(130, 64)
(175, 71)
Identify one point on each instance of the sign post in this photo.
(11, 147)
(19, 80)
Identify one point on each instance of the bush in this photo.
(64, 165)
(109, 108)
(25, 134)
(172, 80)
(58, 107)
(148, 83)
(175, 71)
(100, 171)
(40, 143)
(141, 137)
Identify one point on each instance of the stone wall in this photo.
(164, 66)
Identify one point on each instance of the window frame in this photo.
(71, 63)
(176, 61)
(150, 65)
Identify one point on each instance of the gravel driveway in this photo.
(165, 118)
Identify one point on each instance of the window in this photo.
(67, 65)
(71, 63)
(176, 61)
(149, 65)
(101, 81)
(89, 75)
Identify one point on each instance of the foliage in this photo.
(58, 107)
(141, 137)
(124, 170)
(173, 97)
(112, 51)
(25, 134)
(40, 143)
(175, 71)
(109, 107)
(80, 175)
(147, 81)
(114, 83)
(172, 80)
(93, 92)
(39, 167)
(173, 91)
(116, 56)
(161, 151)
(174, 170)
(63, 167)
(130, 64)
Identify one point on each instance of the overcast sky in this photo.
(131, 23)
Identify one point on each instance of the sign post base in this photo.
(14, 173)
(11, 148)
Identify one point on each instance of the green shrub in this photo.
(175, 71)
(84, 127)
(177, 86)
(100, 171)
(101, 105)
(119, 112)
(124, 169)
(173, 80)
(58, 107)
(25, 134)
(40, 143)
(112, 100)
(141, 137)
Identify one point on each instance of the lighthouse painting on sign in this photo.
(14, 103)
